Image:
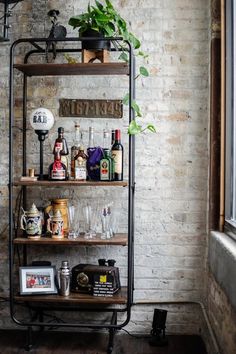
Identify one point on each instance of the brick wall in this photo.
(222, 316)
(171, 166)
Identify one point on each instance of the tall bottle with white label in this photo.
(117, 153)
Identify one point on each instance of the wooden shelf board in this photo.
(47, 183)
(76, 298)
(118, 239)
(73, 69)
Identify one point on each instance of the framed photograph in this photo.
(37, 280)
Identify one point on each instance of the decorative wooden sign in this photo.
(90, 108)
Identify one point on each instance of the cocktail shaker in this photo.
(64, 279)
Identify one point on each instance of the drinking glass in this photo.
(73, 222)
(90, 215)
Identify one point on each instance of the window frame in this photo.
(230, 114)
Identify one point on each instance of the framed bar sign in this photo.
(90, 108)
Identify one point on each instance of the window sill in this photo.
(222, 262)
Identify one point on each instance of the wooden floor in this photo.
(12, 342)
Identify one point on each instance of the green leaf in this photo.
(134, 41)
(151, 127)
(136, 108)
(99, 5)
(124, 57)
(134, 128)
(108, 30)
(143, 71)
(142, 54)
(109, 4)
(112, 26)
(102, 18)
(126, 99)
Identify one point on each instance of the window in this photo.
(230, 138)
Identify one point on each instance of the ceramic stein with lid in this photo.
(60, 204)
(55, 225)
(31, 222)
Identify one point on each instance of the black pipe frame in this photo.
(131, 185)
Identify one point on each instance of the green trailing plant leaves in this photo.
(151, 127)
(143, 71)
(126, 99)
(134, 41)
(134, 128)
(109, 4)
(136, 108)
(99, 5)
(103, 18)
(124, 57)
(109, 31)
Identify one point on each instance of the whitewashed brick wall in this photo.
(171, 166)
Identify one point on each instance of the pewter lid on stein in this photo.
(33, 210)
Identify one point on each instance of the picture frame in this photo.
(37, 280)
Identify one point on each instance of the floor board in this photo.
(13, 342)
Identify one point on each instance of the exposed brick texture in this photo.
(171, 166)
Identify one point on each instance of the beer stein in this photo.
(62, 206)
(55, 225)
(31, 222)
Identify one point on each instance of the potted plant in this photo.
(103, 20)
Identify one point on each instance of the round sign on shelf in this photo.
(41, 119)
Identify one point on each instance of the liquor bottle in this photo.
(106, 166)
(105, 144)
(75, 150)
(57, 170)
(112, 137)
(80, 165)
(60, 143)
(117, 153)
(61, 146)
(91, 138)
(112, 159)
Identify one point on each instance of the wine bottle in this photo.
(117, 153)
(60, 143)
(57, 170)
(112, 137)
(61, 146)
(75, 150)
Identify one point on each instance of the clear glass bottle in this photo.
(105, 143)
(91, 138)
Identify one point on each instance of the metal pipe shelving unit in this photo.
(38, 48)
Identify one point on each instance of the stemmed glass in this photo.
(107, 219)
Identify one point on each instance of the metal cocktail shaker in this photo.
(64, 279)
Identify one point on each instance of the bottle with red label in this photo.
(57, 170)
(117, 153)
(61, 146)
